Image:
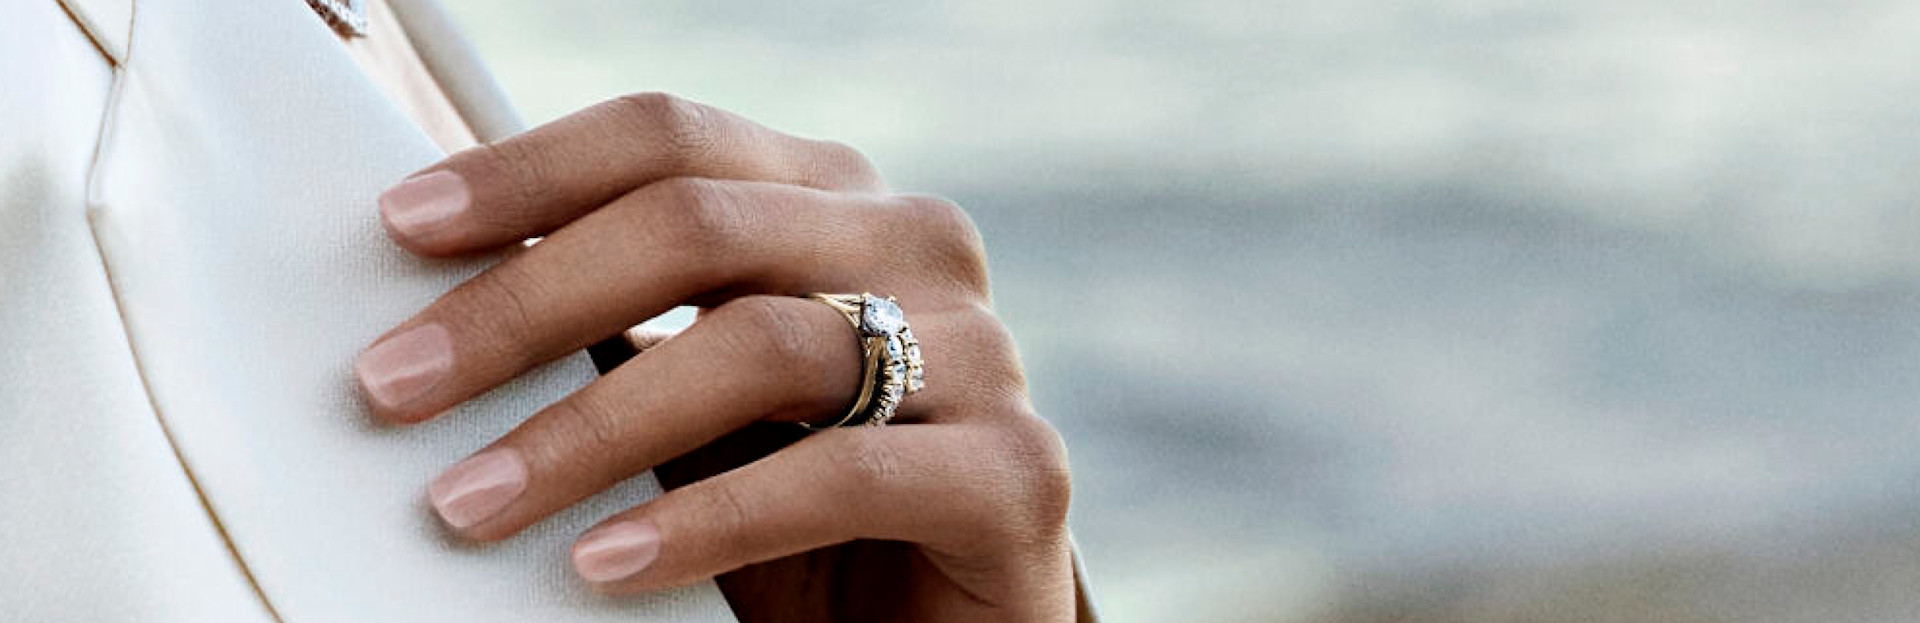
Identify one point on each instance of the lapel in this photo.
(107, 22)
(458, 70)
(97, 520)
(233, 203)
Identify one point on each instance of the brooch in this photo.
(347, 16)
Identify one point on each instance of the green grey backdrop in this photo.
(1375, 310)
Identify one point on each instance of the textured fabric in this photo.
(210, 289)
(97, 520)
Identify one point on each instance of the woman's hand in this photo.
(955, 512)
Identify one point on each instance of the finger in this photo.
(752, 358)
(673, 242)
(644, 338)
(531, 184)
(992, 497)
(609, 353)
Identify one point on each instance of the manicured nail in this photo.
(424, 203)
(479, 487)
(401, 368)
(616, 550)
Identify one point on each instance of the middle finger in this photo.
(670, 243)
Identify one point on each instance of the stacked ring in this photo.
(893, 367)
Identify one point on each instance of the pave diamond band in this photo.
(893, 367)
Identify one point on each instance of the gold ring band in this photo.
(890, 355)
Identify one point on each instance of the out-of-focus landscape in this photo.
(1369, 311)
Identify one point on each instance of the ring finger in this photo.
(753, 358)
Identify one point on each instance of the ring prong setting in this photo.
(893, 364)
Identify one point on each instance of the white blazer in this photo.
(191, 258)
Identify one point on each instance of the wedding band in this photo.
(892, 367)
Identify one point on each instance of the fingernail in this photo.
(616, 550)
(401, 368)
(479, 487)
(424, 203)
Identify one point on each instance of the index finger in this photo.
(531, 184)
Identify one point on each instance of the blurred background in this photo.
(1375, 310)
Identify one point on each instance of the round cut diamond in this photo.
(880, 316)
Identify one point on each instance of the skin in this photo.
(954, 512)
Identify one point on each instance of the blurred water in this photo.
(1464, 310)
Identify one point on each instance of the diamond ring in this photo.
(893, 367)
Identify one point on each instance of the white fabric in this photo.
(235, 265)
(97, 520)
(108, 22)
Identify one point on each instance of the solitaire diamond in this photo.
(880, 316)
(891, 352)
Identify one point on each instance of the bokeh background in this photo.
(1376, 310)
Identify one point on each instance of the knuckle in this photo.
(684, 128)
(870, 464)
(834, 160)
(775, 331)
(699, 214)
(1036, 458)
(952, 241)
(524, 170)
(945, 223)
(845, 156)
(588, 424)
(725, 509)
(596, 421)
(496, 305)
(995, 358)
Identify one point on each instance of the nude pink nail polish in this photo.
(424, 204)
(616, 550)
(478, 488)
(397, 370)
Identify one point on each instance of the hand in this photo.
(954, 512)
